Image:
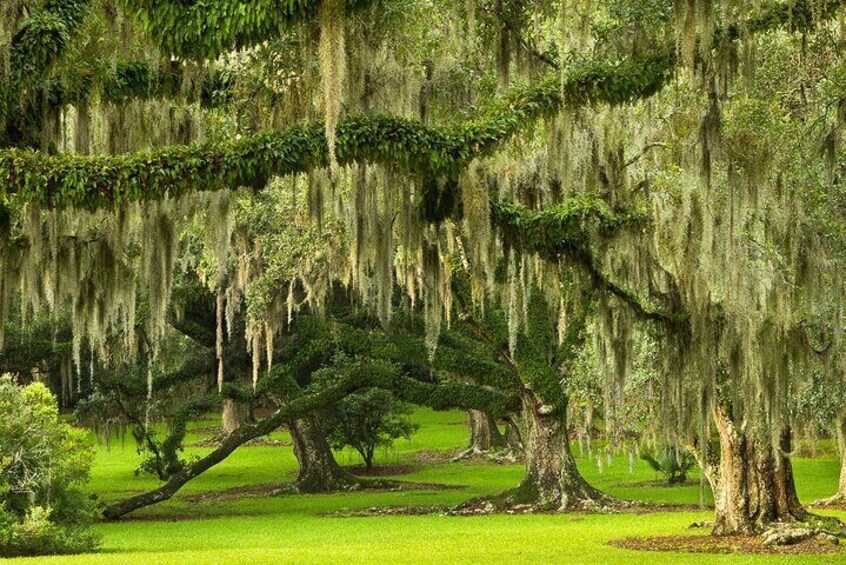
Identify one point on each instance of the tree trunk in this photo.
(839, 497)
(319, 472)
(513, 437)
(552, 481)
(552, 477)
(484, 433)
(753, 484)
(841, 441)
(234, 414)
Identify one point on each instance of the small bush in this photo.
(44, 466)
(671, 461)
(367, 420)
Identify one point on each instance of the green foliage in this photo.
(671, 461)
(182, 28)
(38, 534)
(368, 420)
(44, 466)
(557, 229)
(102, 181)
(42, 38)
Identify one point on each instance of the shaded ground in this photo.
(725, 545)
(277, 489)
(382, 470)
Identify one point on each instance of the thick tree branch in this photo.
(364, 375)
(61, 181)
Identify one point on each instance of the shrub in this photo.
(44, 465)
(367, 420)
(671, 461)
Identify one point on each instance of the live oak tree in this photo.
(641, 166)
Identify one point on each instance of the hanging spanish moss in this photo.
(333, 68)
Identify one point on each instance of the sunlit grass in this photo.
(293, 529)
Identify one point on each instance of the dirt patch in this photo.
(236, 493)
(433, 456)
(659, 484)
(382, 470)
(278, 489)
(395, 486)
(377, 511)
(257, 442)
(724, 545)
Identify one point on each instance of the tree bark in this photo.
(513, 437)
(841, 441)
(319, 472)
(552, 478)
(753, 482)
(484, 433)
(552, 481)
(839, 498)
(233, 415)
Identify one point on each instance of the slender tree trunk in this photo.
(841, 441)
(839, 497)
(753, 483)
(233, 415)
(484, 435)
(319, 472)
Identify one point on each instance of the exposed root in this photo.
(528, 499)
(791, 534)
(499, 457)
(836, 501)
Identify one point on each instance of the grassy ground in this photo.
(292, 529)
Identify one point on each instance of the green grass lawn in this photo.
(294, 529)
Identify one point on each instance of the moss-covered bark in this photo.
(753, 482)
(319, 472)
(484, 433)
(553, 481)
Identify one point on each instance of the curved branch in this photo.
(365, 375)
(565, 230)
(92, 182)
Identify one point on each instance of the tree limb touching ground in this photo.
(365, 375)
